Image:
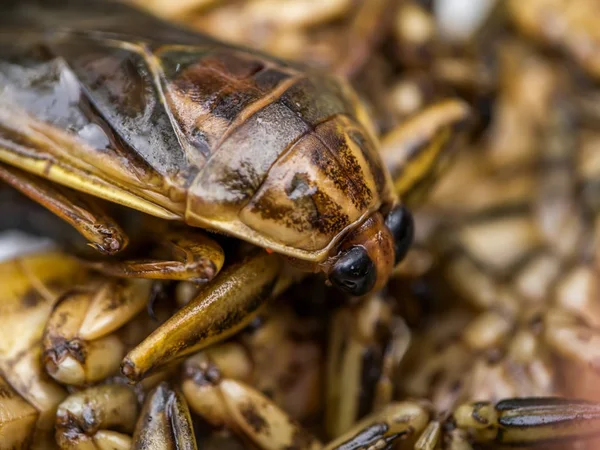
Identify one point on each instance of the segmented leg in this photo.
(401, 420)
(28, 287)
(78, 210)
(164, 422)
(518, 421)
(28, 143)
(223, 401)
(280, 358)
(365, 340)
(220, 310)
(430, 437)
(97, 417)
(418, 150)
(525, 421)
(79, 343)
(188, 255)
(46, 151)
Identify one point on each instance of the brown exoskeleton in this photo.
(187, 129)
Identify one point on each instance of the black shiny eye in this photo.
(354, 272)
(400, 222)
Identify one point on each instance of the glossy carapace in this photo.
(184, 128)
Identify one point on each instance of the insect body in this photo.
(217, 137)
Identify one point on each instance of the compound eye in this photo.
(354, 272)
(402, 226)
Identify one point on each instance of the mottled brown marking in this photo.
(335, 173)
(254, 419)
(229, 321)
(125, 81)
(335, 141)
(236, 317)
(61, 348)
(243, 180)
(62, 319)
(224, 85)
(312, 209)
(373, 161)
(212, 91)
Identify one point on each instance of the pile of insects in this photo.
(335, 224)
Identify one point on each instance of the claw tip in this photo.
(129, 370)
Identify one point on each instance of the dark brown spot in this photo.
(61, 348)
(254, 419)
(243, 180)
(31, 299)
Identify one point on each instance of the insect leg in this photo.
(220, 310)
(80, 344)
(418, 150)
(29, 287)
(101, 417)
(77, 209)
(53, 154)
(366, 345)
(188, 255)
(165, 418)
(523, 421)
(401, 420)
(365, 33)
(224, 401)
(430, 436)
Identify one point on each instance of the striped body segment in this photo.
(220, 137)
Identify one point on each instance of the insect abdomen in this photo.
(293, 164)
